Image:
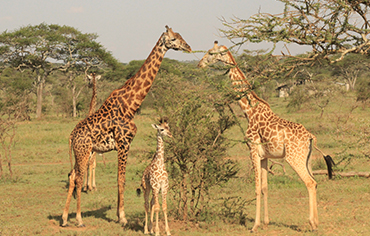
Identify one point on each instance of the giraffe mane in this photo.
(259, 99)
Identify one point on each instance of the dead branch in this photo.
(343, 174)
(276, 163)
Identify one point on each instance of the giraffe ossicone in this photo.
(112, 127)
(270, 136)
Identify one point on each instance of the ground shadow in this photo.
(292, 227)
(99, 213)
(135, 222)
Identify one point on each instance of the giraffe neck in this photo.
(238, 80)
(93, 98)
(135, 89)
(159, 155)
(251, 102)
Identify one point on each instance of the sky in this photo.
(130, 29)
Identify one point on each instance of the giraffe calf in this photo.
(155, 178)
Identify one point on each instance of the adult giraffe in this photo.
(270, 136)
(112, 127)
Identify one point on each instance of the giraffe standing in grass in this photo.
(91, 166)
(112, 127)
(155, 179)
(269, 136)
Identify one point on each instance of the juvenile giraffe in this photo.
(155, 179)
(112, 127)
(269, 136)
(91, 165)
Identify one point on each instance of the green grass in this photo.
(32, 202)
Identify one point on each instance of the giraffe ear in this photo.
(89, 77)
(154, 126)
(98, 77)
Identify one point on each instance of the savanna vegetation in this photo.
(43, 95)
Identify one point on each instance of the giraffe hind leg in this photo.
(71, 190)
(301, 168)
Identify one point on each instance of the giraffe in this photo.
(91, 166)
(112, 127)
(155, 179)
(269, 136)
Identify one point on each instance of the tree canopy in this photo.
(44, 49)
(332, 28)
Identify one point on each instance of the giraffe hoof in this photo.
(65, 225)
(81, 226)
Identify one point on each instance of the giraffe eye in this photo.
(162, 130)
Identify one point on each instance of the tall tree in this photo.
(44, 49)
(332, 28)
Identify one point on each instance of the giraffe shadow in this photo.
(296, 228)
(135, 222)
(99, 213)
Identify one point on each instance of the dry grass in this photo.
(32, 202)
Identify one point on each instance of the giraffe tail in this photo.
(138, 192)
(329, 163)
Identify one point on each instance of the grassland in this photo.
(32, 202)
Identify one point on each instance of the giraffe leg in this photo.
(151, 215)
(86, 177)
(155, 209)
(72, 178)
(257, 172)
(122, 160)
(93, 173)
(123, 140)
(146, 205)
(264, 165)
(79, 180)
(300, 166)
(164, 207)
(80, 171)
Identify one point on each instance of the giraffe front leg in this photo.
(122, 159)
(155, 209)
(164, 208)
(257, 173)
(264, 165)
(93, 173)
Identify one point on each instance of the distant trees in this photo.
(44, 49)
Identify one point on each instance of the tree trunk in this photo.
(74, 101)
(184, 198)
(40, 90)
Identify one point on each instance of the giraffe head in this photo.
(163, 128)
(91, 77)
(214, 55)
(172, 40)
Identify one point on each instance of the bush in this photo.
(196, 156)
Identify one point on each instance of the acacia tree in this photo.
(332, 28)
(44, 49)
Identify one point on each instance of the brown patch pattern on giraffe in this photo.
(269, 136)
(112, 127)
